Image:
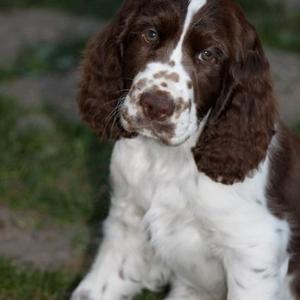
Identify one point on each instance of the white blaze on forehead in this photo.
(193, 8)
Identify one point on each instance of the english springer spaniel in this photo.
(205, 178)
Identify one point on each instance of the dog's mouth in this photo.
(161, 130)
(172, 131)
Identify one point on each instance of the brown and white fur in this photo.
(205, 178)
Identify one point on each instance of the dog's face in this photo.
(174, 57)
(162, 66)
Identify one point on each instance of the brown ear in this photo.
(241, 125)
(101, 85)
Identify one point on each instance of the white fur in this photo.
(204, 235)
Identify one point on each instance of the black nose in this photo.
(157, 105)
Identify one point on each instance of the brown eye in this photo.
(151, 36)
(206, 55)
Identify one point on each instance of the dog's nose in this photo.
(157, 105)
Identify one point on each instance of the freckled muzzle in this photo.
(159, 104)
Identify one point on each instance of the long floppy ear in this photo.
(101, 85)
(238, 132)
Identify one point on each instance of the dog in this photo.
(205, 177)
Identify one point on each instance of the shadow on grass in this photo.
(97, 161)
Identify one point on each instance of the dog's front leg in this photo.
(121, 263)
(249, 279)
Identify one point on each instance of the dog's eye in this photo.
(207, 56)
(151, 36)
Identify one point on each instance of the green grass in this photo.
(57, 170)
(21, 282)
(47, 164)
(24, 283)
(44, 58)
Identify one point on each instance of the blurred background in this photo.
(53, 171)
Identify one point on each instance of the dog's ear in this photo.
(101, 85)
(236, 137)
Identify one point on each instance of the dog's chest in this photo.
(163, 181)
(191, 220)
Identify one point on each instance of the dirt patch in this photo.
(28, 239)
(25, 28)
(57, 90)
(286, 74)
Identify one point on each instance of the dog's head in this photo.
(162, 66)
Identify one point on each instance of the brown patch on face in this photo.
(189, 84)
(171, 63)
(140, 84)
(172, 76)
(160, 74)
(181, 106)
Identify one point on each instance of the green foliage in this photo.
(277, 27)
(280, 31)
(45, 164)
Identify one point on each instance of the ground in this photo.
(54, 188)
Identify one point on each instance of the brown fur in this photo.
(240, 126)
(102, 85)
(284, 194)
(107, 75)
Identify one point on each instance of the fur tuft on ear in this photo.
(101, 85)
(240, 128)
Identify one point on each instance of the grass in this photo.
(44, 58)
(21, 282)
(48, 166)
(58, 170)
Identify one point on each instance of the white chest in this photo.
(192, 220)
(163, 181)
